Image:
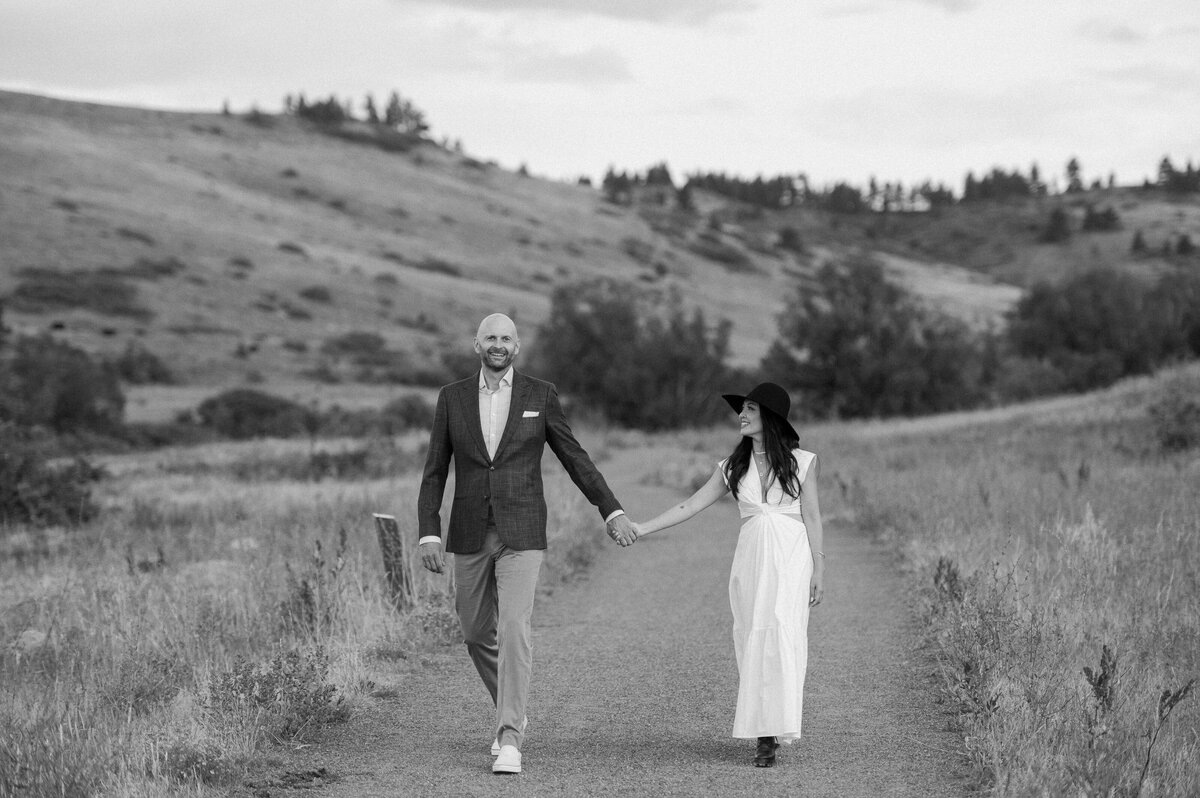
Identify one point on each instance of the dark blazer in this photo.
(511, 484)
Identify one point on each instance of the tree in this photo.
(683, 198)
(50, 384)
(1095, 327)
(1074, 177)
(1100, 221)
(861, 346)
(643, 361)
(402, 115)
(1138, 247)
(372, 113)
(1058, 227)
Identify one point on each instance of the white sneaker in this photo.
(508, 760)
(496, 742)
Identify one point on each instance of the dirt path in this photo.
(634, 686)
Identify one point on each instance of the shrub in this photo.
(406, 412)
(100, 291)
(139, 366)
(287, 697)
(316, 293)
(437, 266)
(247, 413)
(641, 251)
(1176, 413)
(368, 351)
(362, 347)
(1058, 227)
(789, 238)
(1100, 221)
(710, 246)
(32, 492)
(44, 382)
(149, 269)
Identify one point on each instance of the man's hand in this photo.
(432, 557)
(622, 530)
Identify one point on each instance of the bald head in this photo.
(496, 322)
(496, 343)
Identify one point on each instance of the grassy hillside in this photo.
(237, 248)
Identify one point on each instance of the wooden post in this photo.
(395, 564)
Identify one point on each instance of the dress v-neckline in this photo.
(763, 484)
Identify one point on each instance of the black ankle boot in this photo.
(764, 757)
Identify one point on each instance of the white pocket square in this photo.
(530, 414)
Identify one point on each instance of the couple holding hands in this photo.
(494, 426)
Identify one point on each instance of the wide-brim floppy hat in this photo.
(768, 396)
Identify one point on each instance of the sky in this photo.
(835, 89)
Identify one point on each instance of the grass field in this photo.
(213, 613)
(219, 609)
(1057, 561)
(1053, 552)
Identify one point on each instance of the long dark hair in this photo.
(778, 441)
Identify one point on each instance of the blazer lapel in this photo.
(469, 401)
(520, 392)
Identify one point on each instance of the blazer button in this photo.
(491, 468)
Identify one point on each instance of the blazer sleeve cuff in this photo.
(430, 539)
(608, 517)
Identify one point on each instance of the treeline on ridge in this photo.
(782, 191)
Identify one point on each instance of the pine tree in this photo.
(1058, 227)
(1074, 177)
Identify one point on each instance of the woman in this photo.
(778, 567)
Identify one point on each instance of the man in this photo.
(495, 426)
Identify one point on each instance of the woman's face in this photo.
(750, 420)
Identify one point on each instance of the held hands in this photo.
(623, 531)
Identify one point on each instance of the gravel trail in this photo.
(635, 682)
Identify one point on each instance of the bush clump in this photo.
(100, 291)
(243, 413)
(137, 365)
(1176, 413)
(288, 697)
(50, 384)
(36, 493)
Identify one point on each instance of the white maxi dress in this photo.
(768, 593)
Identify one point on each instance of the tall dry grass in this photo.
(211, 614)
(1053, 551)
(1057, 561)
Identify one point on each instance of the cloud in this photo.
(1151, 76)
(1104, 31)
(861, 8)
(687, 12)
(597, 65)
(950, 6)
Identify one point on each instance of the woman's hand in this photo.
(816, 588)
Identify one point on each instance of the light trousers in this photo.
(494, 592)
